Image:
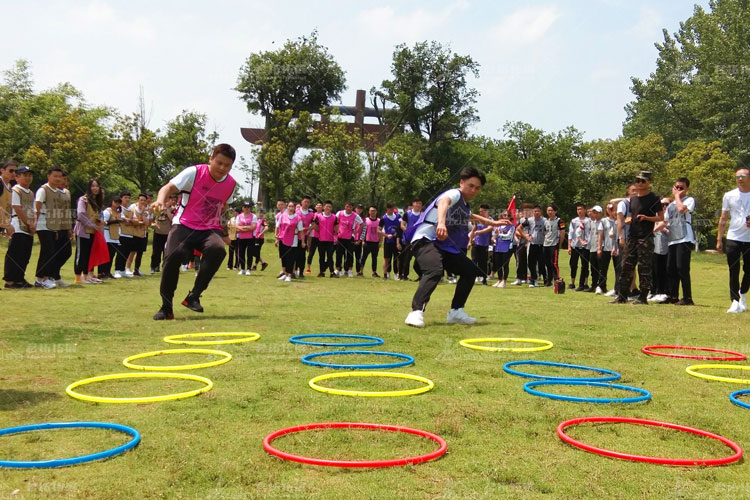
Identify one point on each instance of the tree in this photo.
(430, 89)
(185, 143)
(700, 89)
(299, 77)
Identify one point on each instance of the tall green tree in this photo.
(185, 142)
(700, 89)
(301, 76)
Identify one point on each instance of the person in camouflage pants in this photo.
(645, 210)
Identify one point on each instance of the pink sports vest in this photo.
(245, 221)
(325, 225)
(306, 219)
(287, 228)
(346, 225)
(207, 199)
(259, 227)
(371, 234)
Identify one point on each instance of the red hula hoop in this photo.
(355, 463)
(735, 356)
(654, 460)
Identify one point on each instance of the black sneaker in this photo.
(263, 266)
(25, 284)
(321, 275)
(640, 301)
(360, 274)
(193, 303)
(590, 289)
(334, 275)
(9, 285)
(572, 286)
(137, 272)
(685, 302)
(619, 300)
(581, 289)
(163, 314)
(375, 275)
(634, 294)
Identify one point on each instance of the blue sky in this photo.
(549, 63)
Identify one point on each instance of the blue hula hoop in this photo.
(409, 360)
(371, 341)
(644, 394)
(64, 462)
(735, 398)
(610, 375)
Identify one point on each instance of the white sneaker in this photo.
(415, 319)
(599, 290)
(735, 308)
(281, 277)
(517, 282)
(743, 302)
(502, 284)
(241, 272)
(288, 279)
(533, 284)
(151, 271)
(662, 297)
(459, 316)
(61, 284)
(117, 275)
(350, 274)
(128, 273)
(497, 285)
(46, 284)
(247, 272)
(182, 268)
(610, 293)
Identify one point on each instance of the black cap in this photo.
(246, 204)
(23, 169)
(644, 175)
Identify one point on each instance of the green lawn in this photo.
(501, 441)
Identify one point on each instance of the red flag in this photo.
(99, 252)
(512, 209)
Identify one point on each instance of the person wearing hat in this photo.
(645, 210)
(22, 219)
(736, 204)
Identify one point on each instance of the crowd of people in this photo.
(445, 240)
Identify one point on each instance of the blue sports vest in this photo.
(456, 222)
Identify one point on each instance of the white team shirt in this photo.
(738, 206)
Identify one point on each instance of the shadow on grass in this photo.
(10, 399)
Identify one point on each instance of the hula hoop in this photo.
(63, 462)
(243, 337)
(734, 356)
(355, 463)
(155, 368)
(429, 384)
(409, 360)
(644, 394)
(610, 375)
(470, 344)
(694, 371)
(735, 398)
(369, 340)
(146, 399)
(653, 460)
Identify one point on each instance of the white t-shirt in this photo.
(15, 199)
(184, 182)
(671, 215)
(738, 206)
(41, 195)
(427, 230)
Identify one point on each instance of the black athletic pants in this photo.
(738, 253)
(536, 257)
(678, 270)
(372, 248)
(45, 265)
(432, 262)
(181, 242)
(575, 255)
(288, 257)
(595, 268)
(522, 268)
(313, 248)
(479, 255)
(659, 279)
(405, 262)
(551, 256)
(345, 253)
(299, 259)
(122, 255)
(17, 257)
(502, 264)
(83, 252)
(157, 250)
(63, 251)
(325, 256)
(245, 253)
(604, 270)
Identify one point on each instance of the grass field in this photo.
(501, 440)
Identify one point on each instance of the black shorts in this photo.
(389, 250)
(139, 244)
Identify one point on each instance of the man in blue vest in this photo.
(439, 240)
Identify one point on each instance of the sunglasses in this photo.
(743, 177)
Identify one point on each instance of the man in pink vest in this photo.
(205, 191)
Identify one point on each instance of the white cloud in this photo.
(386, 23)
(648, 25)
(525, 25)
(99, 17)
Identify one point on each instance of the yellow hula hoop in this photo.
(244, 337)
(470, 344)
(694, 371)
(378, 394)
(146, 399)
(167, 368)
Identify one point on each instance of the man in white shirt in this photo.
(736, 203)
